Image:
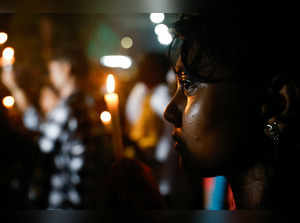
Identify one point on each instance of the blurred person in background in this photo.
(70, 134)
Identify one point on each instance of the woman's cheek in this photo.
(197, 113)
(192, 123)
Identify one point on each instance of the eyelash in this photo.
(189, 88)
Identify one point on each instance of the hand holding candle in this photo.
(112, 102)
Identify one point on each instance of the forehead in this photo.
(179, 65)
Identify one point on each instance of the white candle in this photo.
(112, 101)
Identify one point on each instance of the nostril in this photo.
(173, 115)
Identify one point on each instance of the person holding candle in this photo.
(70, 135)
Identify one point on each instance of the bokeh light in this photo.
(126, 42)
(8, 53)
(160, 29)
(3, 37)
(157, 17)
(8, 101)
(163, 34)
(116, 61)
(165, 38)
(105, 117)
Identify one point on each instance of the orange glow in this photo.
(111, 98)
(8, 101)
(105, 117)
(110, 83)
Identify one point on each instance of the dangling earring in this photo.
(273, 132)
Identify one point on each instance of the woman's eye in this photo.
(189, 88)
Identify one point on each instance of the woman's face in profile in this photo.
(210, 123)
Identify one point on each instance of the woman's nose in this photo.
(173, 112)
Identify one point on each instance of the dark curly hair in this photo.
(256, 51)
(244, 45)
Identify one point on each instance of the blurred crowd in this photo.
(57, 154)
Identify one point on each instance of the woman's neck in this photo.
(252, 187)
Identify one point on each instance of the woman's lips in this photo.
(178, 146)
(175, 135)
(178, 141)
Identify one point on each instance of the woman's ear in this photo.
(291, 93)
(274, 101)
(282, 102)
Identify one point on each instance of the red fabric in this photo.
(230, 198)
(208, 184)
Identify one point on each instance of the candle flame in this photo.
(110, 83)
(8, 53)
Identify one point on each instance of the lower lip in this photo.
(177, 146)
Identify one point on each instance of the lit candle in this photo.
(111, 98)
(8, 58)
(112, 101)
